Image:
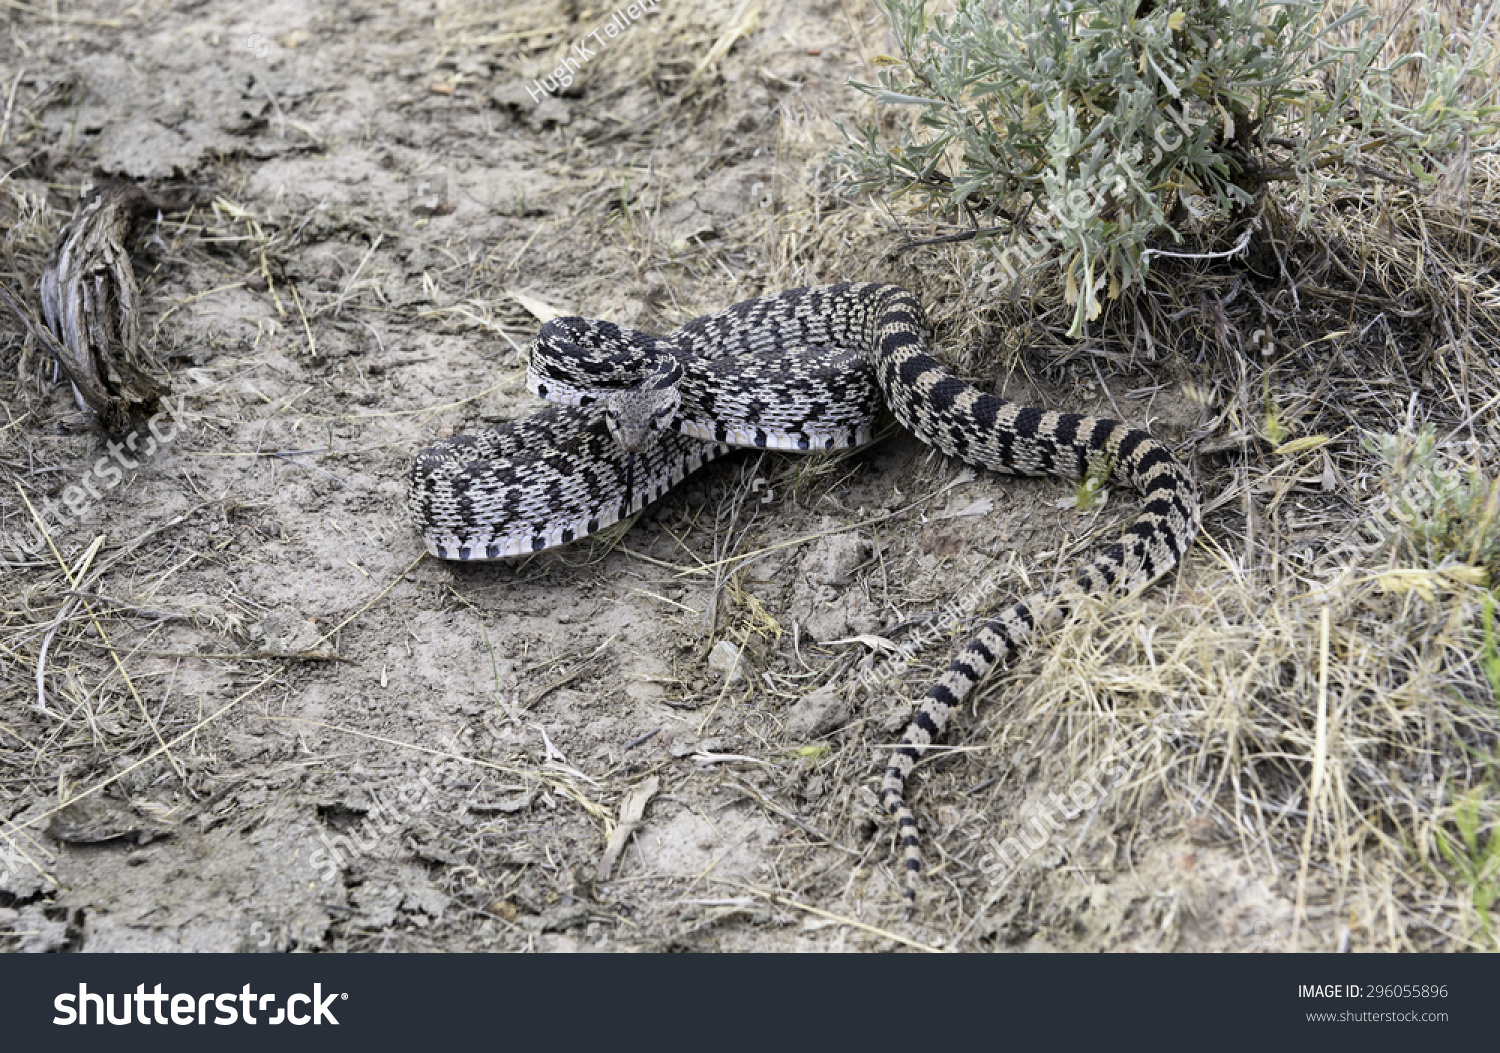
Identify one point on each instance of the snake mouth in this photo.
(630, 440)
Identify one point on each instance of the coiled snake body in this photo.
(804, 369)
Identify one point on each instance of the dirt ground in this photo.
(271, 723)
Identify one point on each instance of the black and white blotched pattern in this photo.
(804, 369)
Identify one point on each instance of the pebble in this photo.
(726, 660)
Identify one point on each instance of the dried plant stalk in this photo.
(92, 305)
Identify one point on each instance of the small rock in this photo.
(827, 619)
(286, 631)
(726, 660)
(94, 819)
(833, 560)
(644, 691)
(514, 96)
(643, 682)
(558, 919)
(820, 602)
(943, 541)
(39, 933)
(816, 714)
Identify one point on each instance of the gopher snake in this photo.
(791, 371)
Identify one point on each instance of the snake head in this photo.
(638, 417)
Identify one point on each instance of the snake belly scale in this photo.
(803, 369)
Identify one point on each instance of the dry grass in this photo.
(1323, 694)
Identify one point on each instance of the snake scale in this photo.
(803, 369)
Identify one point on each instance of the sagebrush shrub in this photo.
(1081, 132)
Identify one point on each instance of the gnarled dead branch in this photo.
(92, 305)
